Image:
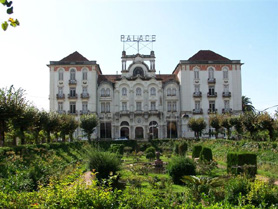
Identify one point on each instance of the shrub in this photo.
(104, 163)
(181, 148)
(206, 154)
(117, 148)
(242, 162)
(150, 153)
(196, 151)
(180, 166)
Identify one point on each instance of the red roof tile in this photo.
(207, 55)
(75, 56)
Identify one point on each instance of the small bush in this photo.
(179, 167)
(181, 148)
(206, 154)
(104, 163)
(242, 162)
(117, 148)
(196, 151)
(150, 153)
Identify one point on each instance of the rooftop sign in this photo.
(138, 38)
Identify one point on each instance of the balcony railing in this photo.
(226, 94)
(60, 96)
(72, 96)
(73, 82)
(197, 94)
(227, 110)
(212, 111)
(197, 111)
(214, 94)
(61, 111)
(85, 95)
(84, 112)
(211, 80)
(72, 112)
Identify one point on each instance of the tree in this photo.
(215, 122)
(68, 126)
(12, 104)
(247, 104)
(12, 22)
(88, 124)
(236, 122)
(50, 124)
(226, 123)
(266, 122)
(197, 125)
(250, 122)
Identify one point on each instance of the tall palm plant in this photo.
(247, 104)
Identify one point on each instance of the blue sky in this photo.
(51, 30)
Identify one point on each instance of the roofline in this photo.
(73, 63)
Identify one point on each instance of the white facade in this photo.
(140, 104)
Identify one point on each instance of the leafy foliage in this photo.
(197, 125)
(88, 124)
(12, 22)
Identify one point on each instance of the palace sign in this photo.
(138, 38)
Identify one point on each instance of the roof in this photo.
(110, 78)
(207, 55)
(75, 56)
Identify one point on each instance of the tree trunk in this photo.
(14, 141)
(22, 137)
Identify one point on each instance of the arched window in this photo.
(138, 71)
(225, 73)
(168, 92)
(84, 74)
(153, 91)
(211, 73)
(174, 92)
(61, 75)
(138, 91)
(72, 74)
(108, 92)
(124, 123)
(153, 123)
(102, 92)
(196, 74)
(124, 91)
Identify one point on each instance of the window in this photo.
(61, 75)
(153, 91)
(107, 107)
(138, 91)
(124, 106)
(84, 90)
(124, 91)
(169, 106)
(72, 92)
(225, 73)
(197, 88)
(72, 74)
(226, 104)
(108, 92)
(102, 107)
(102, 92)
(60, 90)
(84, 106)
(196, 74)
(138, 71)
(174, 106)
(211, 90)
(212, 105)
(197, 105)
(60, 106)
(124, 123)
(138, 106)
(211, 73)
(72, 107)
(84, 74)
(173, 92)
(226, 88)
(153, 106)
(168, 92)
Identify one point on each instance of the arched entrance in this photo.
(139, 133)
(172, 130)
(125, 132)
(153, 130)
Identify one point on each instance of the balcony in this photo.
(197, 94)
(72, 96)
(212, 94)
(61, 111)
(124, 112)
(72, 113)
(211, 80)
(227, 110)
(85, 95)
(84, 112)
(226, 94)
(197, 111)
(60, 96)
(72, 82)
(138, 112)
(212, 111)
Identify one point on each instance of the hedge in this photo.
(196, 151)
